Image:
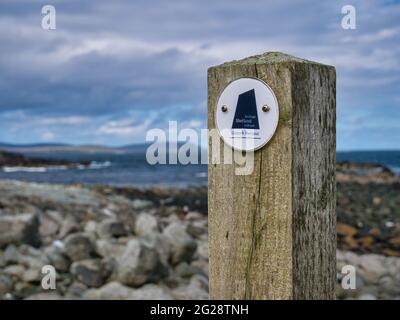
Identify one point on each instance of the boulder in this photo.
(91, 226)
(110, 228)
(109, 248)
(139, 264)
(14, 270)
(185, 270)
(6, 285)
(18, 229)
(11, 254)
(48, 227)
(183, 245)
(146, 224)
(141, 204)
(117, 291)
(197, 229)
(78, 246)
(195, 290)
(45, 296)
(75, 291)
(32, 275)
(2, 260)
(161, 244)
(69, 226)
(90, 272)
(32, 258)
(57, 258)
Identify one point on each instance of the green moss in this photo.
(285, 118)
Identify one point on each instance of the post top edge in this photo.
(269, 58)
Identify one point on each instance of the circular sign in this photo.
(247, 114)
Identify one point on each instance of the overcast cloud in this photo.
(114, 69)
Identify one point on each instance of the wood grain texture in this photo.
(272, 233)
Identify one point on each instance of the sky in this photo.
(112, 70)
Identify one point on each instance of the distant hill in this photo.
(139, 148)
(32, 145)
(8, 159)
(56, 147)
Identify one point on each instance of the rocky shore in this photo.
(104, 243)
(127, 243)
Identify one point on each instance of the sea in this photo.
(132, 169)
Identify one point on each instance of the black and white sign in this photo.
(247, 114)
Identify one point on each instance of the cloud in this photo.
(125, 128)
(47, 136)
(109, 61)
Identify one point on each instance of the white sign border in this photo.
(277, 112)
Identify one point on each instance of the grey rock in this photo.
(55, 216)
(14, 270)
(78, 246)
(202, 250)
(141, 204)
(18, 229)
(32, 275)
(195, 290)
(139, 264)
(110, 228)
(11, 254)
(111, 291)
(3, 263)
(185, 270)
(23, 289)
(90, 272)
(196, 229)
(202, 265)
(69, 226)
(91, 226)
(57, 259)
(146, 224)
(360, 281)
(109, 248)
(45, 296)
(201, 281)
(48, 227)
(6, 285)
(161, 244)
(76, 291)
(183, 245)
(31, 257)
(193, 216)
(367, 296)
(374, 263)
(389, 285)
(117, 291)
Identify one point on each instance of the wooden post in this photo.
(272, 233)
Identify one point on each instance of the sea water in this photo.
(132, 169)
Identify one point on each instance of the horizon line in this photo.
(66, 144)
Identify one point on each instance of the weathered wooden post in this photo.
(272, 232)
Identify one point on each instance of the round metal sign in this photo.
(247, 114)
